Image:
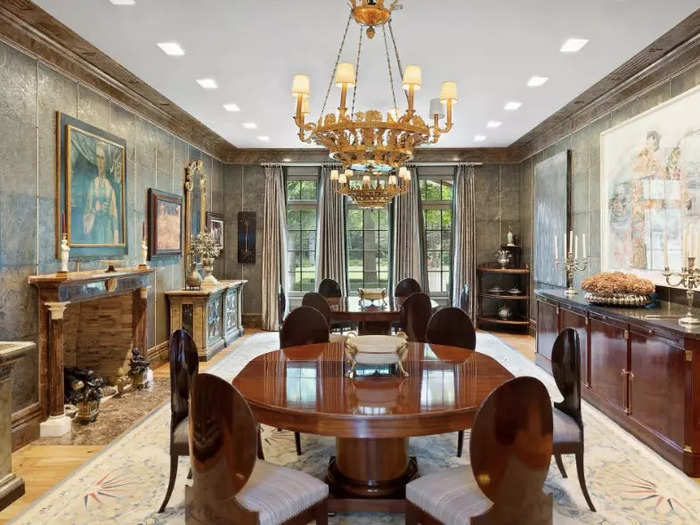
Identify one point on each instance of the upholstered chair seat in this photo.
(181, 445)
(566, 430)
(450, 496)
(279, 493)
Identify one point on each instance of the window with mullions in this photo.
(436, 195)
(302, 204)
(367, 234)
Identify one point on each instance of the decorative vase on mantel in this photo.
(208, 268)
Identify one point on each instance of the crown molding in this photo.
(28, 27)
(668, 55)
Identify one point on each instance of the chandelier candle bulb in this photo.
(448, 92)
(365, 180)
(300, 85)
(412, 77)
(342, 179)
(392, 180)
(334, 174)
(345, 75)
(436, 108)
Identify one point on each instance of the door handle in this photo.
(624, 373)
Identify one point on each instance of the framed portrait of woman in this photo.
(91, 200)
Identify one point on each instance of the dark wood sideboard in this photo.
(643, 373)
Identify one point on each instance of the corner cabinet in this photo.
(212, 315)
(642, 373)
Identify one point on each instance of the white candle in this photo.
(665, 249)
(556, 249)
(584, 245)
(684, 246)
(576, 247)
(689, 243)
(571, 240)
(565, 252)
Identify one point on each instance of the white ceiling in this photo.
(253, 48)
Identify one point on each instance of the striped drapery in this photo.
(408, 254)
(274, 247)
(330, 236)
(464, 237)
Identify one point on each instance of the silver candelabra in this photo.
(689, 278)
(571, 265)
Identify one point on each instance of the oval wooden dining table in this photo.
(371, 317)
(304, 389)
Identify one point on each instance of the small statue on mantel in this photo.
(140, 370)
(510, 238)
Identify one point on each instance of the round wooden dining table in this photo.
(371, 317)
(304, 389)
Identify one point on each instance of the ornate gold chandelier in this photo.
(367, 142)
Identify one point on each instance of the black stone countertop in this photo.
(665, 317)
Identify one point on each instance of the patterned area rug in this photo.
(125, 483)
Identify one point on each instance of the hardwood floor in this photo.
(44, 466)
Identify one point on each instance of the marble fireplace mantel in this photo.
(58, 291)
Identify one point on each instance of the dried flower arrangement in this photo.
(615, 283)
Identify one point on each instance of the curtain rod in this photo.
(329, 164)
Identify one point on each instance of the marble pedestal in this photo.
(11, 485)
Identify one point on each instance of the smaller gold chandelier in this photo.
(372, 191)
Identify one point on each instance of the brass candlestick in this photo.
(571, 265)
(688, 277)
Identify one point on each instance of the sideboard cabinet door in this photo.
(547, 331)
(608, 364)
(657, 383)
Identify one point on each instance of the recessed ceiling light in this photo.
(232, 107)
(493, 123)
(479, 138)
(286, 159)
(250, 125)
(264, 138)
(123, 2)
(172, 49)
(536, 81)
(207, 83)
(512, 105)
(573, 45)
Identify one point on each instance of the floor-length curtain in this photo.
(274, 247)
(408, 254)
(464, 237)
(330, 238)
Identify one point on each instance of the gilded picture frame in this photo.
(165, 220)
(91, 190)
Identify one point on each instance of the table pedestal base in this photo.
(371, 469)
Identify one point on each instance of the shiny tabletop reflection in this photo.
(307, 385)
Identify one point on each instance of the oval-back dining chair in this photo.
(568, 423)
(415, 313)
(303, 326)
(330, 288)
(316, 300)
(407, 287)
(228, 484)
(451, 326)
(184, 366)
(510, 443)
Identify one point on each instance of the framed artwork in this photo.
(552, 217)
(215, 226)
(164, 224)
(91, 189)
(246, 237)
(650, 187)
